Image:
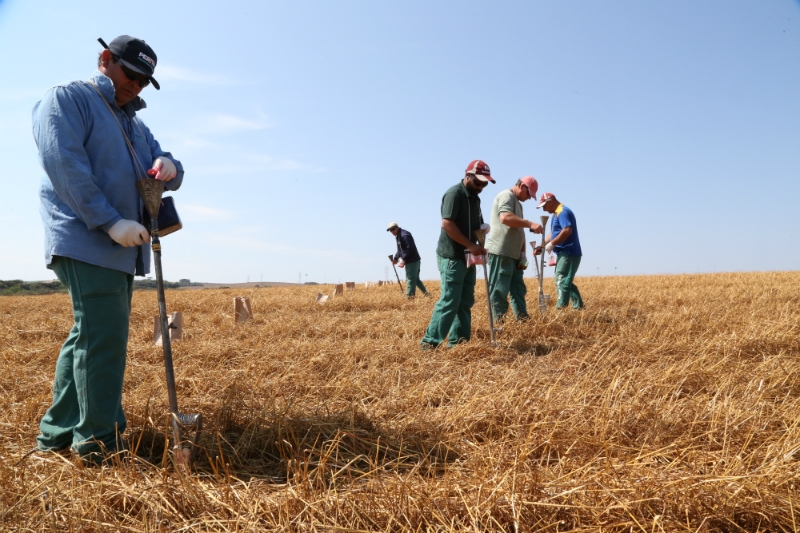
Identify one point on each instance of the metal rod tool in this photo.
(481, 235)
(183, 451)
(544, 299)
(391, 259)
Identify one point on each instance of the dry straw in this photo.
(669, 404)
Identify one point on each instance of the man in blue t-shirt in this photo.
(567, 246)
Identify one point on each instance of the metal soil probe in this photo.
(544, 299)
(481, 235)
(391, 258)
(183, 451)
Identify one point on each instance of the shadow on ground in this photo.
(342, 446)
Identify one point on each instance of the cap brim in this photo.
(135, 69)
(484, 178)
(541, 204)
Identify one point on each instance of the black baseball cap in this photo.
(135, 54)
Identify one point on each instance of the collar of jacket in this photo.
(559, 209)
(106, 87)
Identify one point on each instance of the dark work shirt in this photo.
(406, 249)
(463, 208)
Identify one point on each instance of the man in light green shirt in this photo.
(506, 247)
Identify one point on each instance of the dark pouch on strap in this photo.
(168, 219)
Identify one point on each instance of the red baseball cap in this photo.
(480, 170)
(546, 197)
(532, 185)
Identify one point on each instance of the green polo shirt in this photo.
(464, 209)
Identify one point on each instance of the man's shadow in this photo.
(317, 449)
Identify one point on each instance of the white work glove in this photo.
(165, 168)
(548, 247)
(523, 257)
(401, 263)
(129, 233)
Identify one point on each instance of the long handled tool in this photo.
(481, 235)
(183, 450)
(391, 258)
(544, 299)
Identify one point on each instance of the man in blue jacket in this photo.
(93, 148)
(565, 243)
(407, 256)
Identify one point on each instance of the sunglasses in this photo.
(478, 182)
(132, 75)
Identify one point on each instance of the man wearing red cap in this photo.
(506, 247)
(461, 217)
(565, 243)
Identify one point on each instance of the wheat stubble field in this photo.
(669, 404)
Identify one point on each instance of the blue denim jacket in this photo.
(90, 181)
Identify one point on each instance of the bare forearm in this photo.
(454, 233)
(561, 237)
(513, 221)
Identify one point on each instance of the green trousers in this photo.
(87, 390)
(452, 315)
(566, 268)
(412, 279)
(505, 278)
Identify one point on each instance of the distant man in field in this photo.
(461, 217)
(565, 243)
(407, 257)
(88, 133)
(506, 247)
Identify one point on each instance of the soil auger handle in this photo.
(391, 259)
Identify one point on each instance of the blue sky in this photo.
(670, 128)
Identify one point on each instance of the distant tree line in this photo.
(16, 287)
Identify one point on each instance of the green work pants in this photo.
(566, 268)
(505, 278)
(87, 390)
(452, 315)
(412, 279)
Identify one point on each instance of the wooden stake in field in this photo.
(175, 328)
(242, 311)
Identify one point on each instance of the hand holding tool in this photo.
(391, 258)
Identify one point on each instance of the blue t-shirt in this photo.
(565, 218)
